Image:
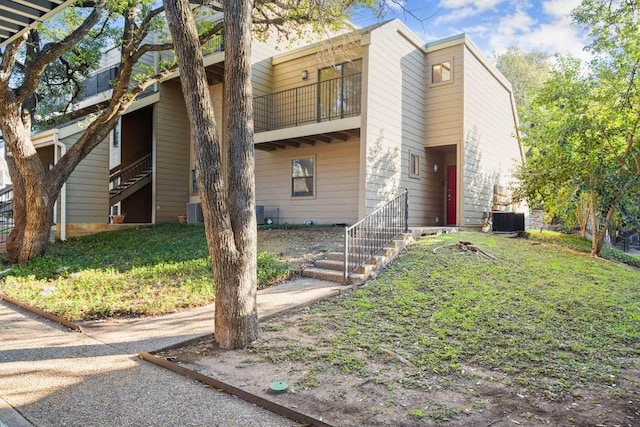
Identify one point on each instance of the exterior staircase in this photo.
(369, 245)
(6, 212)
(124, 181)
(332, 268)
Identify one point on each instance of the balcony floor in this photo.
(308, 139)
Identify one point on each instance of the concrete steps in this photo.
(332, 268)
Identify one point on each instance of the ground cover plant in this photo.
(579, 244)
(147, 271)
(539, 335)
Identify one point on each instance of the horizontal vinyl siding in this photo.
(336, 199)
(88, 185)
(444, 102)
(287, 75)
(413, 108)
(262, 70)
(171, 153)
(395, 122)
(490, 147)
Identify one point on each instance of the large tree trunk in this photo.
(30, 235)
(239, 326)
(227, 204)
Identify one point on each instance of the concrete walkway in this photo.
(50, 376)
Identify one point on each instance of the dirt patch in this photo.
(300, 246)
(389, 391)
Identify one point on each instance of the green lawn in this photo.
(554, 321)
(148, 271)
(582, 245)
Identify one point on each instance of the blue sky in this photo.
(494, 25)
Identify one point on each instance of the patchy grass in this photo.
(579, 244)
(540, 322)
(148, 271)
(553, 320)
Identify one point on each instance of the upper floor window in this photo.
(441, 72)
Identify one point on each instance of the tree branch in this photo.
(143, 29)
(53, 51)
(9, 59)
(151, 48)
(167, 46)
(143, 85)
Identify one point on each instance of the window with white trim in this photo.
(414, 164)
(303, 177)
(441, 72)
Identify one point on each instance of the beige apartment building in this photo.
(341, 127)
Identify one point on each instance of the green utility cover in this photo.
(278, 387)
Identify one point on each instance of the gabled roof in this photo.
(355, 35)
(19, 16)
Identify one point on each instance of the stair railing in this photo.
(6, 212)
(372, 233)
(120, 175)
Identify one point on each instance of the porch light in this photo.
(435, 168)
(305, 74)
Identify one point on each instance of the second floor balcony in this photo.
(331, 99)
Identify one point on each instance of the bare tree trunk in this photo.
(30, 235)
(599, 228)
(241, 181)
(227, 204)
(582, 213)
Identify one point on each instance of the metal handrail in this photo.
(371, 234)
(6, 212)
(215, 43)
(331, 99)
(124, 178)
(121, 170)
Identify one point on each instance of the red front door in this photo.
(451, 195)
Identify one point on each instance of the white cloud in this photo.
(459, 10)
(560, 8)
(476, 4)
(478, 31)
(525, 32)
(456, 15)
(396, 4)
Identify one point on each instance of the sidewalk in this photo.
(54, 377)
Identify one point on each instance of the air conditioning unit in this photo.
(194, 213)
(507, 221)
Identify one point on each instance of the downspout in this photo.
(63, 190)
(516, 121)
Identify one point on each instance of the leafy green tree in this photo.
(525, 70)
(41, 73)
(582, 125)
(616, 48)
